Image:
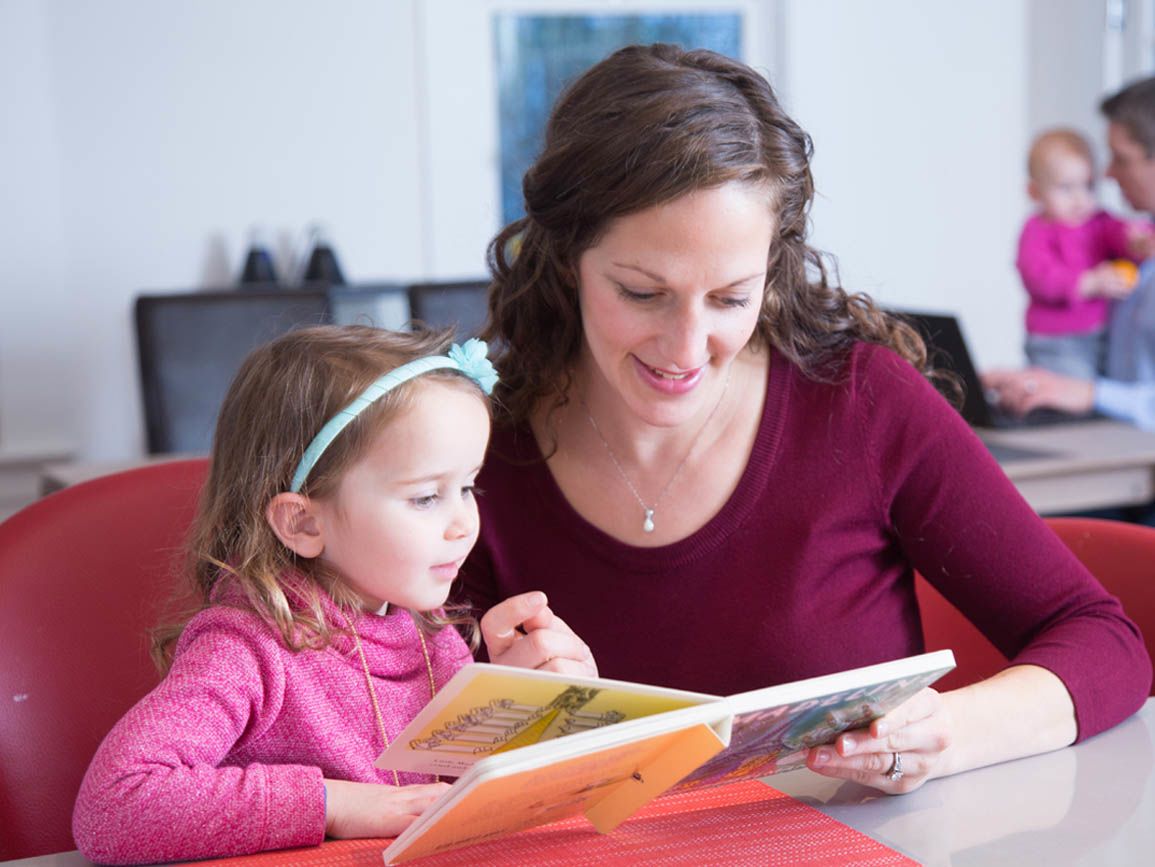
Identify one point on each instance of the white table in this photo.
(1091, 804)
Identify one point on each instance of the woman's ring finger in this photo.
(894, 773)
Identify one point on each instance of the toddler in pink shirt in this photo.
(1074, 257)
(338, 510)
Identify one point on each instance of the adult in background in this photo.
(1127, 390)
(723, 469)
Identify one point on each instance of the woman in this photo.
(723, 470)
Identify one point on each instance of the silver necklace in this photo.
(648, 511)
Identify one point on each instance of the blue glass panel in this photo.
(537, 55)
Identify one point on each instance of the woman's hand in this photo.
(374, 809)
(1021, 391)
(522, 631)
(920, 731)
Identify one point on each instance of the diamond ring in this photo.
(895, 772)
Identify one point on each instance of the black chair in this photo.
(190, 346)
(460, 304)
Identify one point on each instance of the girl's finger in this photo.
(499, 624)
(536, 648)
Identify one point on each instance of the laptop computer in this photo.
(947, 350)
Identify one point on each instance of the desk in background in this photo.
(1090, 804)
(1091, 465)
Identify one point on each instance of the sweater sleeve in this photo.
(1047, 278)
(966, 528)
(1113, 238)
(1132, 402)
(157, 790)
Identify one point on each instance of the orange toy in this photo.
(1126, 269)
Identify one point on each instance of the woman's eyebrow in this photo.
(660, 279)
(640, 270)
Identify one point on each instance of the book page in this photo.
(774, 727)
(491, 709)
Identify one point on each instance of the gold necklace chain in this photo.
(649, 511)
(373, 692)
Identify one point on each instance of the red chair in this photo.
(1121, 556)
(84, 573)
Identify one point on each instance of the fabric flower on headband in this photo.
(473, 363)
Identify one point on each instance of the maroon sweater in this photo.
(807, 569)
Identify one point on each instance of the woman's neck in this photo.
(646, 484)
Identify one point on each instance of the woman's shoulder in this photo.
(858, 369)
(886, 376)
(871, 388)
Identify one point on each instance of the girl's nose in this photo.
(463, 522)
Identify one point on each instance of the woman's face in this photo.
(669, 296)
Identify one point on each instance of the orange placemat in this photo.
(744, 823)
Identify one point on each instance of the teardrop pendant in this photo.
(648, 524)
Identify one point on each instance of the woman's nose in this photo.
(686, 338)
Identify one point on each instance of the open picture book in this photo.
(530, 747)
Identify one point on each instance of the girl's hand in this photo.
(1114, 280)
(374, 809)
(522, 631)
(919, 730)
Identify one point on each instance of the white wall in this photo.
(919, 117)
(39, 346)
(142, 140)
(148, 138)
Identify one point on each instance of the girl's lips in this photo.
(666, 381)
(446, 571)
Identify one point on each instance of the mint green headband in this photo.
(469, 359)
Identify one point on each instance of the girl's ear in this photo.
(294, 521)
(1033, 191)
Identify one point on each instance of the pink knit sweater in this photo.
(227, 755)
(1053, 256)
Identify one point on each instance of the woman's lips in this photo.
(667, 381)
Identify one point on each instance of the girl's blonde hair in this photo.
(282, 395)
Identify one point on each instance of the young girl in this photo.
(1074, 258)
(338, 510)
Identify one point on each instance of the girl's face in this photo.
(1065, 189)
(669, 296)
(404, 517)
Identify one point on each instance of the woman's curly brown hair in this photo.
(643, 127)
